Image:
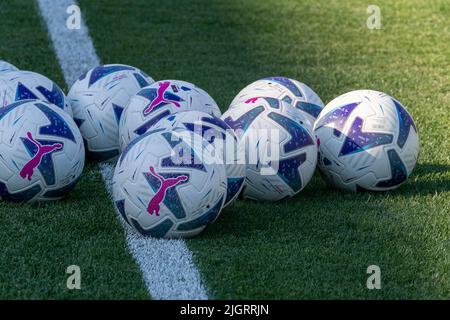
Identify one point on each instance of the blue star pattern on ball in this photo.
(358, 141)
(150, 123)
(171, 200)
(171, 97)
(78, 122)
(193, 162)
(83, 76)
(405, 124)
(148, 93)
(310, 108)
(288, 84)
(244, 121)
(207, 132)
(289, 173)
(338, 117)
(55, 96)
(141, 80)
(398, 171)
(103, 71)
(58, 127)
(287, 99)
(120, 205)
(234, 184)
(22, 196)
(4, 111)
(273, 103)
(118, 110)
(205, 219)
(185, 161)
(158, 231)
(299, 135)
(23, 93)
(216, 121)
(58, 193)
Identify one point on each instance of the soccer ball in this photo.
(367, 141)
(159, 100)
(98, 99)
(6, 66)
(42, 152)
(222, 138)
(24, 85)
(166, 187)
(288, 90)
(280, 152)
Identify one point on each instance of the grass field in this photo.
(315, 246)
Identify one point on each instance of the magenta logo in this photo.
(252, 100)
(160, 195)
(28, 170)
(160, 98)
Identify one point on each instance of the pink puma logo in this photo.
(28, 170)
(154, 205)
(160, 98)
(252, 100)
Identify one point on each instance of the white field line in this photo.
(167, 266)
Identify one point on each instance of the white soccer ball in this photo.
(367, 141)
(220, 136)
(6, 66)
(98, 99)
(288, 90)
(165, 186)
(280, 152)
(42, 152)
(159, 100)
(24, 85)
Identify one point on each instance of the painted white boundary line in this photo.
(167, 266)
(74, 48)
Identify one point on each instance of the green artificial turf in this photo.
(319, 244)
(38, 242)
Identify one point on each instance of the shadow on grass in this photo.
(426, 179)
(429, 179)
(319, 244)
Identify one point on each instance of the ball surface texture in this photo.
(222, 139)
(25, 85)
(293, 92)
(42, 152)
(280, 152)
(367, 141)
(98, 99)
(164, 188)
(159, 100)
